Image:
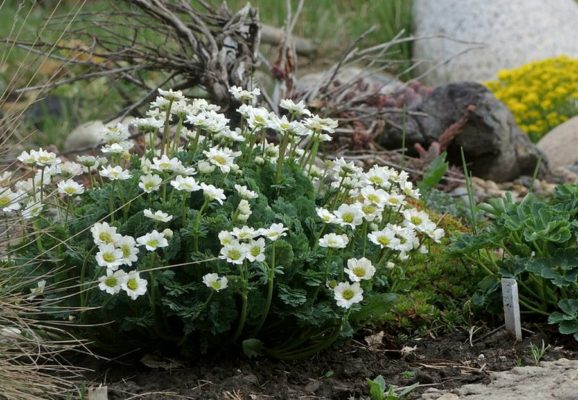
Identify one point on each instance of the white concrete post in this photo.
(511, 307)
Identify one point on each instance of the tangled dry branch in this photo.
(189, 44)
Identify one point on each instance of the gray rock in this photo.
(549, 381)
(90, 134)
(510, 33)
(560, 144)
(494, 147)
(378, 82)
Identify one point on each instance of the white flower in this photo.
(172, 95)
(91, 162)
(245, 193)
(70, 187)
(274, 232)
(295, 109)
(112, 282)
(384, 238)
(114, 173)
(9, 200)
(334, 241)
(418, 220)
(347, 294)
(205, 167)
(38, 290)
(257, 118)
(158, 215)
(349, 215)
(168, 233)
(245, 233)
(359, 269)
(109, 256)
(71, 169)
(103, 233)
(375, 196)
(436, 235)
(186, 184)
(234, 253)
(215, 282)
(150, 183)
(325, 215)
(127, 245)
(343, 168)
(223, 158)
(213, 193)
(318, 124)
(153, 240)
(371, 212)
(32, 209)
(45, 158)
(134, 285)
(117, 148)
(244, 207)
(395, 200)
(241, 94)
(256, 250)
(27, 158)
(407, 238)
(166, 164)
(226, 238)
(380, 176)
(407, 188)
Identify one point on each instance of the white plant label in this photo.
(511, 307)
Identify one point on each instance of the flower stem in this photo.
(270, 287)
(196, 226)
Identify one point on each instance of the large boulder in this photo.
(509, 33)
(494, 147)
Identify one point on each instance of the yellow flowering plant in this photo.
(541, 94)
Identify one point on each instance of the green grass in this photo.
(337, 23)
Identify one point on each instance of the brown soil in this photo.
(341, 373)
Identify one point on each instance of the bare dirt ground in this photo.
(444, 363)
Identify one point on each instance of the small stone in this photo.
(312, 386)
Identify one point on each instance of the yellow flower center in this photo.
(255, 251)
(359, 271)
(220, 160)
(234, 254)
(111, 281)
(105, 237)
(348, 294)
(416, 220)
(383, 240)
(132, 284)
(108, 257)
(153, 243)
(347, 218)
(4, 201)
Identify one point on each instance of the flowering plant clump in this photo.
(541, 94)
(210, 235)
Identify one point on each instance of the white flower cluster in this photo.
(248, 243)
(375, 196)
(116, 250)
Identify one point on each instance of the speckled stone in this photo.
(510, 33)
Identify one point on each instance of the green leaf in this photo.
(434, 173)
(377, 388)
(568, 327)
(373, 308)
(253, 347)
(292, 297)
